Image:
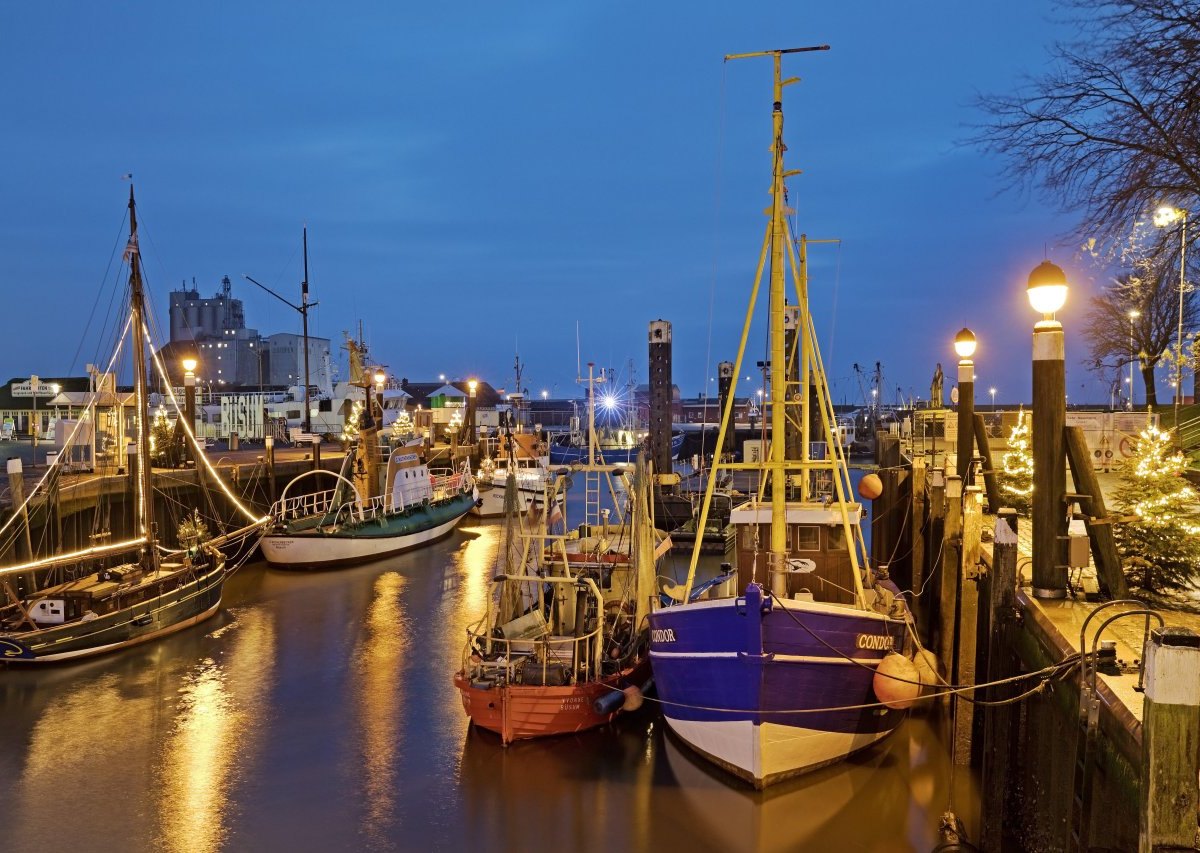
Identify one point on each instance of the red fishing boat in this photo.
(563, 647)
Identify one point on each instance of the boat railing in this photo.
(303, 506)
(445, 481)
(497, 654)
(377, 505)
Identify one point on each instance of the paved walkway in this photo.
(1069, 614)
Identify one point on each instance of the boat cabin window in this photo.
(836, 538)
(807, 537)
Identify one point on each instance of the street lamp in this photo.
(1133, 315)
(189, 392)
(1163, 217)
(964, 348)
(472, 384)
(1047, 293)
(992, 391)
(380, 377)
(302, 309)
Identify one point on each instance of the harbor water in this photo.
(316, 712)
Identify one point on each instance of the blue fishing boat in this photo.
(620, 448)
(775, 669)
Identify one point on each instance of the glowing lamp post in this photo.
(964, 348)
(1047, 294)
(1164, 217)
(472, 385)
(1133, 315)
(380, 377)
(992, 391)
(189, 392)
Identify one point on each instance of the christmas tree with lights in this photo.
(1016, 479)
(350, 430)
(402, 427)
(1157, 538)
(162, 436)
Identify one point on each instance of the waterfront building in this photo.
(231, 355)
(284, 361)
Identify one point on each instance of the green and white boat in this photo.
(337, 527)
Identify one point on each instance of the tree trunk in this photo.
(1148, 381)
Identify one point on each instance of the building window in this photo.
(808, 537)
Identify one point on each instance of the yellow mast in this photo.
(777, 556)
(776, 243)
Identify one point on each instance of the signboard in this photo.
(34, 387)
(243, 414)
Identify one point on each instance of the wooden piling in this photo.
(886, 511)
(948, 576)
(917, 528)
(928, 615)
(1049, 419)
(269, 459)
(968, 619)
(54, 506)
(316, 452)
(991, 483)
(1099, 525)
(26, 583)
(998, 720)
(1170, 740)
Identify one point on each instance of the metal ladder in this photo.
(591, 498)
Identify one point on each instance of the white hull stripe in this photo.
(315, 550)
(774, 657)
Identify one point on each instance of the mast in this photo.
(777, 559)
(145, 498)
(775, 248)
(304, 317)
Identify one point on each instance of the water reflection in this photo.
(380, 702)
(634, 786)
(319, 715)
(220, 709)
(69, 747)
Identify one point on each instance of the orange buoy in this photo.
(927, 667)
(633, 698)
(897, 683)
(870, 487)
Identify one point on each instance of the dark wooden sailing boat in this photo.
(108, 597)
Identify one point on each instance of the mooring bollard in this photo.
(1170, 740)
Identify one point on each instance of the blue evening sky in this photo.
(483, 177)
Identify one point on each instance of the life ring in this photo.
(1126, 447)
